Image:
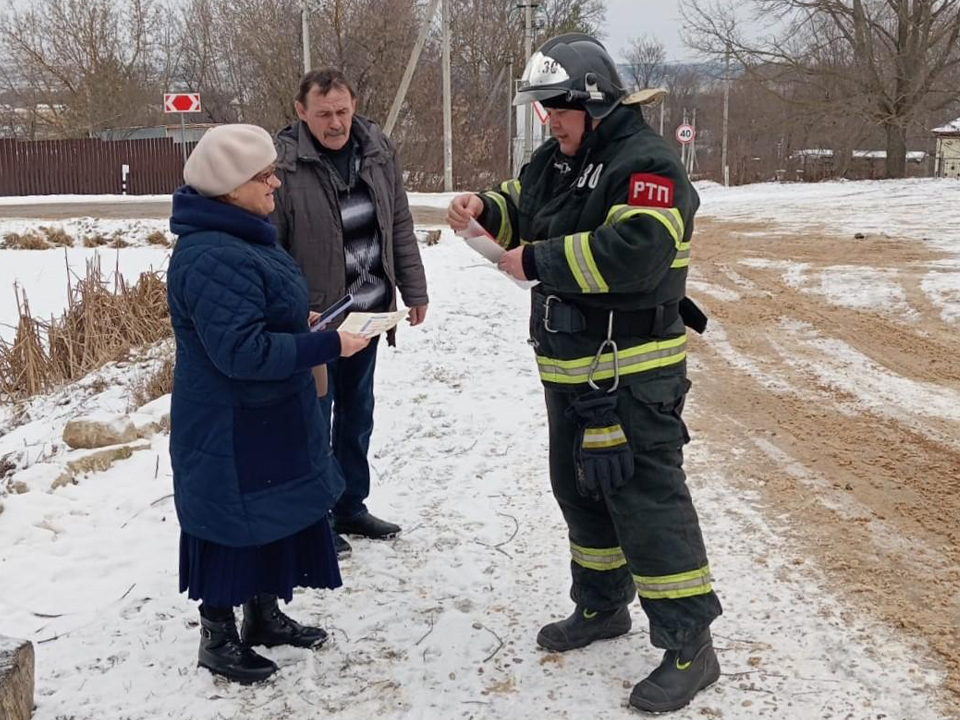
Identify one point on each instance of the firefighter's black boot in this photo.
(681, 675)
(583, 627)
(221, 652)
(264, 624)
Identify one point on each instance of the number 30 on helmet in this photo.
(572, 71)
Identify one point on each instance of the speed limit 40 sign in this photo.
(685, 134)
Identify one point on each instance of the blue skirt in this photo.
(223, 576)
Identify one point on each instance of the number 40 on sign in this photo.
(685, 134)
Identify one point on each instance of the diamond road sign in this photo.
(181, 102)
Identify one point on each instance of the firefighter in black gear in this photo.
(602, 216)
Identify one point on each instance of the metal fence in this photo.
(88, 167)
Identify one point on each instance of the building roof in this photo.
(951, 128)
(912, 155)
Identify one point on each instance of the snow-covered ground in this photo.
(85, 199)
(922, 208)
(132, 232)
(441, 622)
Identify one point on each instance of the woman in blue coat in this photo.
(250, 455)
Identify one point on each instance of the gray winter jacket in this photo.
(307, 215)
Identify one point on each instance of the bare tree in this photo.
(887, 61)
(84, 65)
(646, 61)
(233, 55)
(78, 66)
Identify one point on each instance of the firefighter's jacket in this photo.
(610, 230)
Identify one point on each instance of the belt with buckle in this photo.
(562, 316)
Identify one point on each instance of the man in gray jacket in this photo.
(342, 214)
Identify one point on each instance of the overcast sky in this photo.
(625, 19)
(658, 18)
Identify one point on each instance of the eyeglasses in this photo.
(265, 176)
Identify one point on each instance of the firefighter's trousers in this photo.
(644, 537)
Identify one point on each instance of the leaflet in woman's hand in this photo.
(363, 323)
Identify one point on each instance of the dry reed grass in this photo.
(24, 241)
(56, 236)
(158, 237)
(43, 238)
(153, 385)
(101, 324)
(96, 240)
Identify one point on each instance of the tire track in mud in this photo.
(871, 493)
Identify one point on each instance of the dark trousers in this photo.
(644, 535)
(349, 401)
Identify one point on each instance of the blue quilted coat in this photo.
(250, 454)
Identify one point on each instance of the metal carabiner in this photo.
(546, 312)
(608, 343)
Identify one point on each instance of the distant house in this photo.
(192, 132)
(948, 150)
(818, 163)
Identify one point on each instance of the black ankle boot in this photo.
(583, 627)
(221, 652)
(341, 545)
(264, 624)
(681, 675)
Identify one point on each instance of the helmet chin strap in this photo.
(591, 92)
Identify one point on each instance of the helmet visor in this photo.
(540, 79)
(526, 95)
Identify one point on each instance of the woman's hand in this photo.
(463, 209)
(351, 343)
(312, 318)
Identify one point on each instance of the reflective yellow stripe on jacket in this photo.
(511, 188)
(671, 219)
(582, 265)
(505, 232)
(640, 358)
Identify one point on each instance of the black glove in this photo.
(601, 453)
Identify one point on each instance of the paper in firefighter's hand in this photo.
(363, 323)
(482, 242)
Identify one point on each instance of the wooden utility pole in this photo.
(447, 102)
(528, 33)
(683, 147)
(411, 66)
(724, 167)
(305, 35)
(692, 153)
(509, 133)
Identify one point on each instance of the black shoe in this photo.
(367, 525)
(583, 627)
(680, 676)
(264, 624)
(342, 546)
(221, 652)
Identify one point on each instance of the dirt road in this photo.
(152, 209)
(831, 414)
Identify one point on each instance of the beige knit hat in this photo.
(226, 157)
